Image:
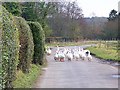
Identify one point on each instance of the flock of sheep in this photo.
(61, 54)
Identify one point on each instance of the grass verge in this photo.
(28, 80)
(103, 53)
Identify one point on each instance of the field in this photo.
(106, 50)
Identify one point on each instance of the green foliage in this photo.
(10, 49)
(39, 42)
(29, 12)
(47, 30)
(27, 80)
(113, 15)
(38, 11)
(26, 42)
(13, 7)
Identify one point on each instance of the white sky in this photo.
(99, 7)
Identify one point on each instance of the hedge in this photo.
(26, 43)
(39, 42)
(10, 49)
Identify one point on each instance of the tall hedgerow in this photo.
(10, 49)
(39, 42)
(26, 44)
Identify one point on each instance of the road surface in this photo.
(77, 74)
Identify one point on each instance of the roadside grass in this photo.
(104, 53)
(27, 80)
(71, 43)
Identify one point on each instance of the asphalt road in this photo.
(77, 74)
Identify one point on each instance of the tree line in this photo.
(66, 20)
(69, 22)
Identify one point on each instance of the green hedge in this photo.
(39, 42)
(26, 43)
(10, 49)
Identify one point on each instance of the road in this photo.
(77, 74)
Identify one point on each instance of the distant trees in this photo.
(38, 11)
(111, 29)
(65, 22)
(69, 22)
(113, 15)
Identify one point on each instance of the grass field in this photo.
(71, 43)
(106, 50)
(107, 54)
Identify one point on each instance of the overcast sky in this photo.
(99, 7)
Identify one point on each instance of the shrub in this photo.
(39, 42)
(26, 43)
(10, 49)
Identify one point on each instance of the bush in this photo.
(39, 42)
(26, 43)
(10, 49)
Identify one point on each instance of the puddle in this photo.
(116, 76)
